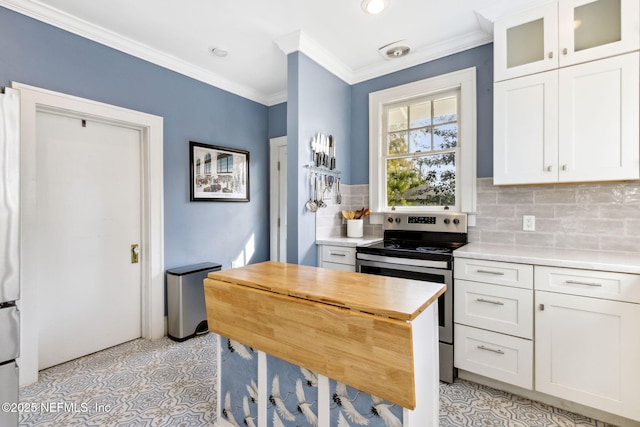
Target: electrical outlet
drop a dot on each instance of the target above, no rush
(528, 223)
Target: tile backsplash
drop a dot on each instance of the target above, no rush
(329, 221)
(601, 216)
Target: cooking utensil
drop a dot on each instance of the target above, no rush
(338, 195)
(323, 185)
(311, 205)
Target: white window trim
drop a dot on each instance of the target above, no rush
(466, 182)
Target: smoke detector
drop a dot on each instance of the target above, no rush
(395, 50)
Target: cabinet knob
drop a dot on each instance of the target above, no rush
(564, 51)
(550, 55)
(541, 307)
(549, 168)
(564, 167)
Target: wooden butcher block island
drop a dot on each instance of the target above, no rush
(375, 334)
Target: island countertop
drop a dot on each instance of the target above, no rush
(377, 334)
(378, 295)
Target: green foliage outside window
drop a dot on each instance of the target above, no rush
(422, 178)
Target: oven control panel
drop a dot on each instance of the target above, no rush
(421, 220)
(451, 222)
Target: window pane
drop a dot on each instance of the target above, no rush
(597, 23)
(525, 43)
(421, 181)
(445, 136)
(445, 110)
(397, 119)
(420, 140)
(397, 143)
(420, 114)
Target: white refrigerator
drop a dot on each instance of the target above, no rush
(9, 254)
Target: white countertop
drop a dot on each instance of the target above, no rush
(348, 241)
(623, 262)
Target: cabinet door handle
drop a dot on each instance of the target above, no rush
(550, 54)
(564, 167)
(490, 301)
(336, 254)
(549, 168)
(493, 350)
(541, 307)
(577, 282)
(564, 51)
(497, 273)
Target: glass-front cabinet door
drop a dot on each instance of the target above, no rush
(526, 43)
(562, 33)
(598, 29)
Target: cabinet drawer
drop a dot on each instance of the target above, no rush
(498, 308)
(501, 357)
(339, 254)
(499, 273)
(336, 266)
(599, 284)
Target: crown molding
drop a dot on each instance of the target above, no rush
(299, 41)
(501, 9)
(423, 54)
(296, 41)
(59, 19)
(277, 98)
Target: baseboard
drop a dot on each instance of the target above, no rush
(566, 405)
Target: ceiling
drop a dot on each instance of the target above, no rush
(258, 33)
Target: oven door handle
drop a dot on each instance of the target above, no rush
(402, 261)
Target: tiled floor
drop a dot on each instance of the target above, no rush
(163, 383)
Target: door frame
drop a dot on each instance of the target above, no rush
(33, 99)
(274, 199)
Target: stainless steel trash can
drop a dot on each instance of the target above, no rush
(186, 312)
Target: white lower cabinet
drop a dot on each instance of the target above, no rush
(586, 344)
(493, 320)
(499, 356)
(337, 257)
(588, 349)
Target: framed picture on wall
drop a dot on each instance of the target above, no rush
(218, 174)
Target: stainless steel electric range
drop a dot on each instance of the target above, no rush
(420, 247)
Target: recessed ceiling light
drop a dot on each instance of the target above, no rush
(374, 6)
(219, 52)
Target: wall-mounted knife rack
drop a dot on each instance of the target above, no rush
(323, 149)
(322, 172)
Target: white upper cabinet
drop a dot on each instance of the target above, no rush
(526, 43)
(575, 124)
(525, 130)
(563, 33)
(598, 120)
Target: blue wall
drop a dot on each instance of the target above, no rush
(38, 54)
(318, 102)
(480, 57)
(278, 120)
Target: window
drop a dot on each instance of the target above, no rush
(225, 163)
(422, 145)
(207, 164)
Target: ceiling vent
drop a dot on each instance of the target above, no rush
(395, 50)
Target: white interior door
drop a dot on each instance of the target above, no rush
(278, 199)
(88, 216)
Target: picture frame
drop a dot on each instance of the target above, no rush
(218, 174)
